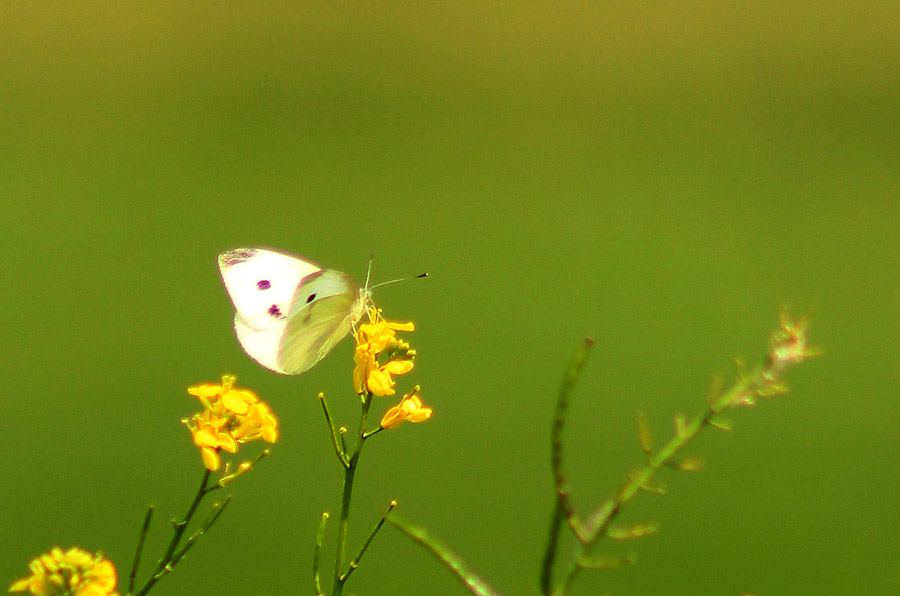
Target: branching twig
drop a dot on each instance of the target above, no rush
(339, 448)
(563, 508)
(145, 527)
(451, 560)
(788, 346)
(355, 562)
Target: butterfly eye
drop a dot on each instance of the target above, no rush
(263, 284)
(310, 298)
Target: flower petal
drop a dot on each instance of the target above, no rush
(398, 367)
(380, 383)
(210, 458)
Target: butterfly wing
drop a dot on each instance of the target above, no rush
(261, 284)
(323, 312)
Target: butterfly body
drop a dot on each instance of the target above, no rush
(289, 312)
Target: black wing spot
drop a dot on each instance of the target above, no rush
(310, 298)
(275, 311)
(263, 284)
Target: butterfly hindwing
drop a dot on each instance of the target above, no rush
(323, 310)
(314, 331)
(261, 344)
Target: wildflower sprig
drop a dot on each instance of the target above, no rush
(230, 417)
(788, 346)
(379, 356)
(63, 573)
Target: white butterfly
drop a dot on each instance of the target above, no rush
(289, 312)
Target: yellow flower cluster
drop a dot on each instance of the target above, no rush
(380, 356)
(74, 572)
(373, 339)
(230, 417)
(410, 409)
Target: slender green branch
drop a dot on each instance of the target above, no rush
(228, 476)
(346, 494)
(339, 448)
(546, 579)
(788, 346)
(442, 553)
(145, 527)
(559, 422)
(355, 562)
(343, 525)
(604, 516)
(165, 563)
(606, 562)
(644, 435)
(217, 510)
(317, 554)
(373, 432)
(563, 508)
(342, 434)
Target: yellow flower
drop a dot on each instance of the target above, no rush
(410, 408)
(373, 339)
(235, 400)
(74, 572)
(230, 417)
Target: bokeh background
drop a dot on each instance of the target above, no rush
(662, 177)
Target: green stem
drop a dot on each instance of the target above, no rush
(355, 562)
(320, 538)
(166, 563)
(563, 509)
(556, 520)
(217, 511)
(140, 549)
(346, 494)
(338, 446)
(447, 557)
(601, 520)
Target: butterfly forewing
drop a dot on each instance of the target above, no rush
(261, 284)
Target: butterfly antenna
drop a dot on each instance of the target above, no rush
(369, 270)
(393, 281)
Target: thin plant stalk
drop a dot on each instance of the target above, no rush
(788, 346)
(166, 562)
(145, 528)
(453, 562)
(346, 494)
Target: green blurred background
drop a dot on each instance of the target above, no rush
(663, 177)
